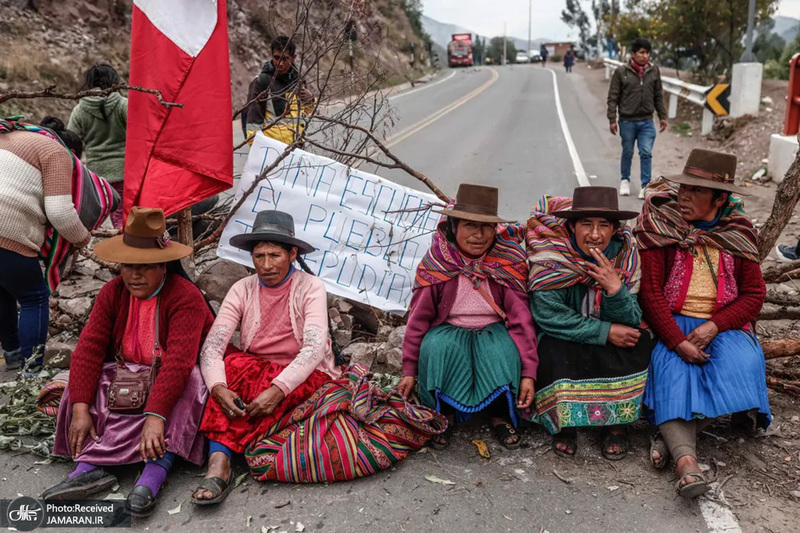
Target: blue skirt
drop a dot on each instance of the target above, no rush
(732, 380)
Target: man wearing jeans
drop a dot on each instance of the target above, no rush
(636, 91)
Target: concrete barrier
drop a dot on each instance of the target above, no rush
(782, 151)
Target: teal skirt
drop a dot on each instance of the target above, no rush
(468, 369)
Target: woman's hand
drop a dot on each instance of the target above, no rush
(691, 353)
(152, 445)
(406, 385)
(265, 403)
(226, 400)
(623, 336)
(526, 392)
(80, 426)
(603, 272)
(703, 334)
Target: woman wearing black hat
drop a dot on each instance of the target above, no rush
(285, 353)
(702, 289)
(470, 339)
(593, 348)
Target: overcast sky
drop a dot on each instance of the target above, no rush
(487, 17)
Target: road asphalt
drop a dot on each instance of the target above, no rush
(508, 135)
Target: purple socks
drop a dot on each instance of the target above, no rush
(82, 468)
(153, 477)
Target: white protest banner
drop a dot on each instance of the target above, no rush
(370, 234)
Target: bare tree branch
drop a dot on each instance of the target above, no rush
(49, 92)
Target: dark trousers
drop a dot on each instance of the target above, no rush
(21, 281)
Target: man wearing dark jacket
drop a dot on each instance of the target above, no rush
(636, 92)
(278, 78)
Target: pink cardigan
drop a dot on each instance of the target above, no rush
(308, 311)
(430, 306)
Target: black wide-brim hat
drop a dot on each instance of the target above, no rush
(595, 201)
(710, 169)
(271, 226)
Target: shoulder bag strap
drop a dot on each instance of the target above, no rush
(156, 364)
(710, 266)
(489, 300)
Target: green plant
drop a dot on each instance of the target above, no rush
(682, 128)
(555, 58)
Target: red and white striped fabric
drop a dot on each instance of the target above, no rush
(178, 156)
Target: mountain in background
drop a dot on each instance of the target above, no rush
(786, 27)
(441, 33)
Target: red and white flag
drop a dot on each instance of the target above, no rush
(174, 156)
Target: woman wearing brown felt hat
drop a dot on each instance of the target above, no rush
(144, 317)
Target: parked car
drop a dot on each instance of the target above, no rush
(522, 57)
(535, 56)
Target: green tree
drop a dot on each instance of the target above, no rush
(574, 16)
(479, 50)
(413, 9)
(768, 45)
(495, 50)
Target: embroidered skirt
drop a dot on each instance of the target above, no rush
(732, 380)
(248, 376)
(120, 435)
(589, 385)
(468, 369)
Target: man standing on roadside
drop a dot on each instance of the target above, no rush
(636, 91)
(282, 100)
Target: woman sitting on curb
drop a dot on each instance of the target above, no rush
(144, 312)
(593, 351)
(470, 339)
(702, 289)
(285, 354)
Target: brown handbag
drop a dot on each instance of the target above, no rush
(129, 390)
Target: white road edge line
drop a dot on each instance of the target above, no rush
(719, 519)
(580, 173)
(423, 87)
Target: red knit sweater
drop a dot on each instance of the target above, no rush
(656, 265)
(184, 321)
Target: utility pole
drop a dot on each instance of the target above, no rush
(505, 42)
(530, 9)
(747, 56)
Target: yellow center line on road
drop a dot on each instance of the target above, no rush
(424, 123)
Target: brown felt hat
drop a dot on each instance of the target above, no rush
(475, 202)
(142, 241)
(595, 201)
(706, 168)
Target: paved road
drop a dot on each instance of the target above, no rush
(509, 135)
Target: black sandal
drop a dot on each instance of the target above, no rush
(505, 431)
(82, 486)
(218, 488)
(567, 437)
(615, 439)
(444, 437)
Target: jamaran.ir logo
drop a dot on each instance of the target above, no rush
(25, 513)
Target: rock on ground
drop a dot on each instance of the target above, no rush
(219, 277)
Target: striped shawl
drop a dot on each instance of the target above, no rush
(553, 261)
(661, 225)
(503, 263)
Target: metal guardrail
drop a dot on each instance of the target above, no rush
(676, 88)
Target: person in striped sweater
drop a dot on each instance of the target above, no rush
(35, 190)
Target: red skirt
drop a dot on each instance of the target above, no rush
(248, 376)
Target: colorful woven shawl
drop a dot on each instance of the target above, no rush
(348, 429)
(555, 264)
(504, 262)
(661, 225)
(93, 197)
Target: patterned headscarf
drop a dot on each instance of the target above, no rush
(504, 262)
(556, 264)
(661, 225)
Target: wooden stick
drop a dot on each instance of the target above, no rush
(774, 349)
(186, 237)
(786, 198)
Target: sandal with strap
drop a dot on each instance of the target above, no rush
(568, 438)
(620, 440)
(444, 438)
(657, 444)
(693, 489)
(218, 487)
(504, 432)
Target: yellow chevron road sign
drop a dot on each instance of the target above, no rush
(717, 99)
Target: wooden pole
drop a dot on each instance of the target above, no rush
(185, 236)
